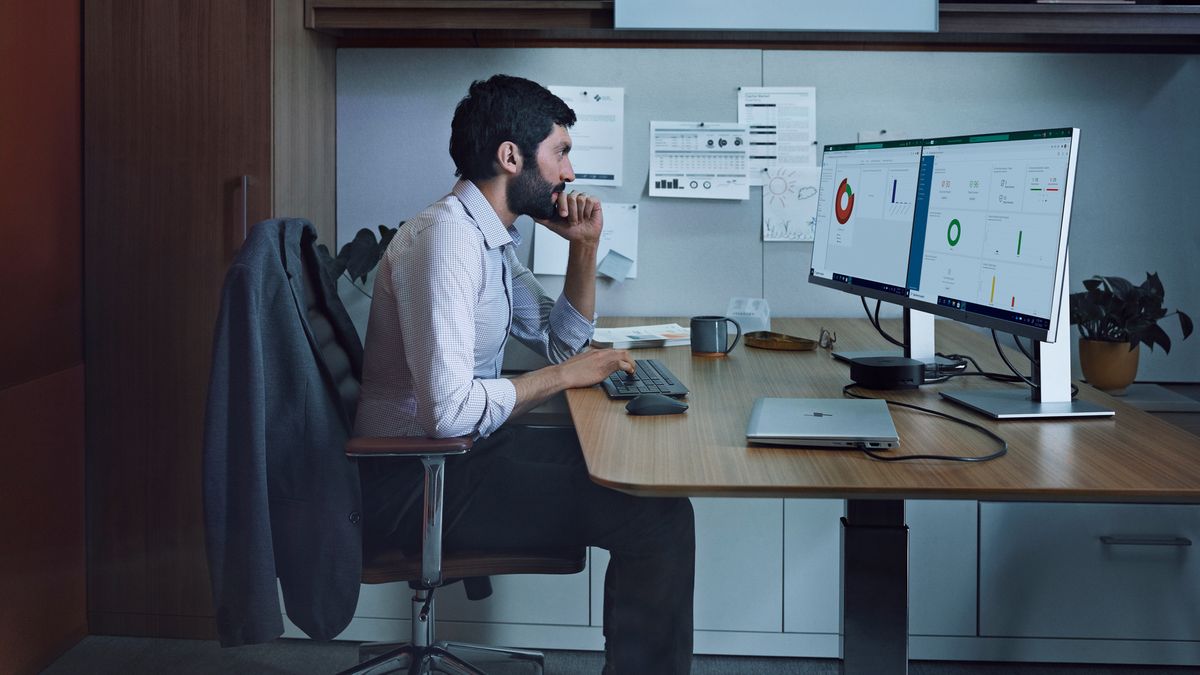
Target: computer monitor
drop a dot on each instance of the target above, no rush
(864, 233)
(864, 221)
(993, 216)
(972, 228)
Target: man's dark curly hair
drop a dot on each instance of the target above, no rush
(502, 108)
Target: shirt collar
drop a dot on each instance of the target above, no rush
(495, 234)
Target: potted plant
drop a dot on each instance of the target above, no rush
(1114, 317)
(359, 256)
(354, 269)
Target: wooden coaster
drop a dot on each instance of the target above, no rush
(765, 339)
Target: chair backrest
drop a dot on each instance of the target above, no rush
(341, 351)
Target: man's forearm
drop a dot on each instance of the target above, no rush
(534, 387)
(580, 283)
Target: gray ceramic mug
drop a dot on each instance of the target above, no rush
(711, 333)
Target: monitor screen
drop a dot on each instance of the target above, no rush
(986, 236)
(864, 222)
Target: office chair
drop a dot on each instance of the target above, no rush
(429, 569)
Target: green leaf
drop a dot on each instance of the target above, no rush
(1120, 287)
(1154, 285)
(1156, 335)
(360, 255)
(385, 236)
(334, 266)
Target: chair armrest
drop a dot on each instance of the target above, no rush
(407, 446)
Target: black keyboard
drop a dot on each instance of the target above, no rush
(652, 377)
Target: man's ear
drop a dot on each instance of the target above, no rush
(508, 157)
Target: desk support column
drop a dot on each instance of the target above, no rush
(874, 588)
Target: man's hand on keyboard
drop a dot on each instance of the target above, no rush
(592, 366)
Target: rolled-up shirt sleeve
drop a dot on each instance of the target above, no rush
(441, 280)
(550, 327)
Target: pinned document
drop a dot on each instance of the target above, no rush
(620, 234)
(598, 135)
(790, 203)
(698, 160)
(781, 123)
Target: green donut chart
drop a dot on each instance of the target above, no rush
(954, 232)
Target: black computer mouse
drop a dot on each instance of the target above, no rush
(655, 404)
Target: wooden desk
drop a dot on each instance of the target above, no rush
(1131, 457)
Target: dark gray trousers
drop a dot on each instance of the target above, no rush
(527, 487)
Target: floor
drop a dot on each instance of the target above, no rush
(103, 655)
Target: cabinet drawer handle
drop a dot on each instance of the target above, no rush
(245, 206)
(1145, 541)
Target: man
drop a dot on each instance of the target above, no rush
(448, 293)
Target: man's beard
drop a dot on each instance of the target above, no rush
(530, 195)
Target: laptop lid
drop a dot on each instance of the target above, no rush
(822, 423)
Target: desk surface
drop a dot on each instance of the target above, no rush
(1129, 457)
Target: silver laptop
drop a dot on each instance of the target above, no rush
(823, 423)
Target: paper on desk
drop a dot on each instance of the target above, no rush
(620, 234)
(790, 203)
(782, 126)
(598, 135)
(700, 160)
(632, 337)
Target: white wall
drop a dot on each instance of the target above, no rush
(1137, 205)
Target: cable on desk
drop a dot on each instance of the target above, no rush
(938, 378)
(846, 391)
(978, 372)
(1026, 380)
(1026, 352)
(875, 321)
(1003, 357)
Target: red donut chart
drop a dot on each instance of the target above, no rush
(843, 214)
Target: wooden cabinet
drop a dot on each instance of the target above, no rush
(201, 118)
(502, 22)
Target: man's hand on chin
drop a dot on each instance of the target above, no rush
(578, 218)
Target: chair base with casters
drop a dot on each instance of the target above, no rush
(428, 572)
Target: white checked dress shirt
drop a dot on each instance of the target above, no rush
(448, 292)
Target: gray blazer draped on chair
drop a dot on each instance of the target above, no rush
(281, 499)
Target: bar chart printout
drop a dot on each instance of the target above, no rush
(698, 160)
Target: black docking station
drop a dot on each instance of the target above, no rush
(887, 372)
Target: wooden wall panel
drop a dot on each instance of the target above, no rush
(39, 189)
(41, 521)
(304, 131)
(178, 101)
(42, 573)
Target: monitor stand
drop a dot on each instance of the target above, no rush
(1051, 394)
(1048, 399)
(918, 341)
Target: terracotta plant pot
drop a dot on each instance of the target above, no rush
(1110, 366)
